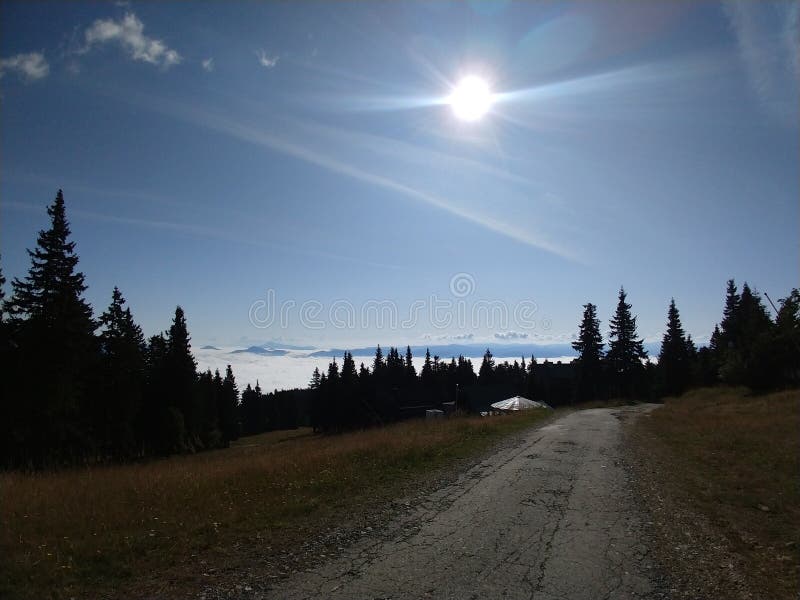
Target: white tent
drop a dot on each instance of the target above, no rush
(518, 403)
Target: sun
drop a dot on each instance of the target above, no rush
(471, 99)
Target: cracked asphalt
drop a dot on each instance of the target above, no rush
(553, 517)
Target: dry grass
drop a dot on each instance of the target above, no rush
(87, 532)
(735, 459)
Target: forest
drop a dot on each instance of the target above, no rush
(80, 389)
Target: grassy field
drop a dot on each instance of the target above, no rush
(734, 458)
(158, 526)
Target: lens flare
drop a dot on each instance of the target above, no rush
(471, 99)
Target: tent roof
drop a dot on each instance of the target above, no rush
(518, 403)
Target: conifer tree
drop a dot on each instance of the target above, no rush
(787, 339)
(348, 374)
(589, 346)
(749, 356)
(486, 372)
(363, 373)
(674, 361)
(411, 372)
(122, 349)
(51, 324)
(230, 407)
(728, 332)
(315, 379)
(426, 375)
(379, 363)
(181, 376)
(626, 352)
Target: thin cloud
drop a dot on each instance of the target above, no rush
(769, 47)
(31, 66)
(254, 133)
(265, 60)
(200, 231)
(128, 32)
(208, 64)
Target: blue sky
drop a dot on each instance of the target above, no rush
(212, 152)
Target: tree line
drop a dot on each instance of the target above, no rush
(82, 389)
(747, 348)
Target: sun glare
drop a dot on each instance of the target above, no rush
(471, 99)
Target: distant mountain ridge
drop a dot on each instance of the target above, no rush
(261, 351)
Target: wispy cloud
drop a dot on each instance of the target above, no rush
(128, 32)
(30, 66)
(365, 171)
(768, 36)
(510, 335)
(195, 230)
(208, 64)
(265, 60)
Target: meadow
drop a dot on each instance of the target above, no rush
(162, 527)
(733, 459)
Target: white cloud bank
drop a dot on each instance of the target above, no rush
(128, 32)
(30, 66)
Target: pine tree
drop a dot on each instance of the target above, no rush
(729, 327)
(486, 372)
(51, 324)
(181, 376)
(411, 372)
(787, 339)
(379, 363)
(626, 352)
(122, 348)
(675, 359)
(749, 356)
(315, 379)
(363, 374)
(10, 415)
(348, 375)
(426, 375)
(229, 422)
(589, 346)
(2, 298)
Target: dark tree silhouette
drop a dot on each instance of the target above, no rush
(426, 374)
(787, 339)
(315, 379)
(181, 369)
(675, 359)
(411, 372)
(51, 324)
(486, 372)
(229, 423)
(589, 346)
(122, 349)
(626, 352)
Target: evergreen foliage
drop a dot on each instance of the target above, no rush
(589, 346)
(626, 352)
(109, 395)
(51, 324)
(676, 357)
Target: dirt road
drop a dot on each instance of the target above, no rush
(552, 517)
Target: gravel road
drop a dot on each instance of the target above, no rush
(552, 517)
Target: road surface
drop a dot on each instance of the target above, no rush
(553, 517)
